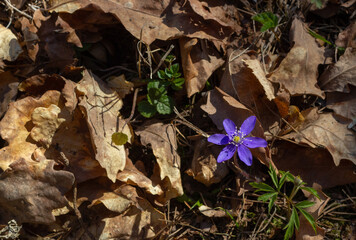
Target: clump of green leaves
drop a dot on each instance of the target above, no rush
(317, 3)
(267, 19)
(157, 91)
(272, 192)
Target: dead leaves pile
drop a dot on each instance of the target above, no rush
(58, 118)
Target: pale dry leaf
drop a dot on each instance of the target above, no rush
(334, 136)
(120, 84)
(199, 60)
(298, 72)
(164, 146)
(346, 38)
(30, 191)
(46, 123)
(338, 77)
(10, 48)
(220, 106)
(101, 105)
(113, 202)
(14, 127)
(204, 167)
(131, 175)
(210, 212)
(257, 70)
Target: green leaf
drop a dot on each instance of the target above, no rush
(267, 196)
(290, 229)
(282, 180)
(304, 204)
(175, 68)
(153, 96)
(262, 187)
(290, 177)
(168, 73)
(273, 175)
(318, 3)
(296, 218)
(156, 84)
(268, 20)
(177, 84)
(170, 58)
(146, 109)
(311, 190)
(164, 105)
(161, 74)
(119, 138)
(271, 202)
(309, 218)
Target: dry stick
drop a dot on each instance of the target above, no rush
(132, 111)
(16, 9)
(163, 58)
(189, 124)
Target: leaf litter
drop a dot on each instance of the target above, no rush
(73, 72)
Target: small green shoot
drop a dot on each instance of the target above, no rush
(292, 207)
(119, 138)
(267, 19)
(317, 3)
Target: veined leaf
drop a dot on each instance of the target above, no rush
(309, 218)
(267, 196)
(304, 204)
(311, 190)
(262, 187)
(273, 175)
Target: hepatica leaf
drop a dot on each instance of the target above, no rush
(268, 20)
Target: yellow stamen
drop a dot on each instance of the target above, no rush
(236, 139)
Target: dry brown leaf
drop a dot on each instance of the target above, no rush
(101, 106)
(151, 20)
(313, 165)
(29, 32)
(10, 48)
(204, 167)
(30, 191)
(39, 84)
(69, 95)
(164, 146)
(339, 76)
(120, 84)
(220, 106)
(46, 122)
(199, 60)
(329, 133)
(8, 90)
(346, 38)
(343, 104)
(298, 72)
(209, 212)
(253, 89)
(16, 125)
(131, 175)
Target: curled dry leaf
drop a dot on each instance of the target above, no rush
(199, 60)
(16, 125)
(45, 122)
(338, 77)
(10, 48)
(29, 191)
(131, 175)
(164, 146)
(204, 167)
(151, 20)
(298, 72)
(313, 165)
(101, 106)
(329, 133)
(347, 37)
(220, 106)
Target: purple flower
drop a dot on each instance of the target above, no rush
(237, 139)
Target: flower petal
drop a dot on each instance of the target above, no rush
(226, 153)
(244, 154)
(248, 125)
(254, 142)
(229, 126)
(219, 139)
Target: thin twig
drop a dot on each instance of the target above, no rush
(163, 58)
(16, 9)
(189, 124)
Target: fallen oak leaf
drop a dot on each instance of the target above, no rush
(10, 48)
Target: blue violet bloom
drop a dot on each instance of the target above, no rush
(237, 139)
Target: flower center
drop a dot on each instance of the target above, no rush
(236, 139)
